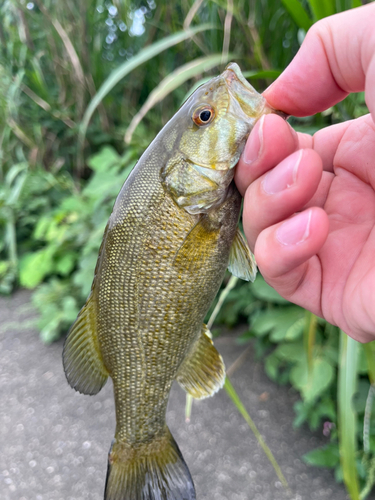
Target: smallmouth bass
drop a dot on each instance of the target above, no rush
(171, 236)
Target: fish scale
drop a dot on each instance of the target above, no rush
(172, 234)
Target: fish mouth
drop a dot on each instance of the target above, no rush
(233, 73)
(253, 104)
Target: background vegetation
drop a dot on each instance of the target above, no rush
(77, 80)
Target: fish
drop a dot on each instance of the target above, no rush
(171, 236)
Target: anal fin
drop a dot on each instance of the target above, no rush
(203, 372)
(241, 261)
(83, 364)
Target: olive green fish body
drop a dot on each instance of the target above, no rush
(151, 301)
(165, 250)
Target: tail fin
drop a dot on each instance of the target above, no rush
(152, 471)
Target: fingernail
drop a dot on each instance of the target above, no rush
(295, 230)
(255, 143)
(284, 175)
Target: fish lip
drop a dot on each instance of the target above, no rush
(232, 72)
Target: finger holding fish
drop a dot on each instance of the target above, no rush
(280, 192)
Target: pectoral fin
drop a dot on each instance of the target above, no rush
(203, 372)
(83, 364)
(241, 261)
(197, 246)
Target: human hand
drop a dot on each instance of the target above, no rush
(323, 258)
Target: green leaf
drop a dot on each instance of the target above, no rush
(51, 331)
(84, 276)
(298, 13)
(265, 292)
(42, 226)
(14, 171)
(295, 330)
(34, 267)
(271, 366)
(312, 384)
(347, 418)
(314, 412)
(70, 309)
(128, 66)
(104, 159)
(265, 323)
(326, 456)
(290, 352)
(289, 325)
(282, 323)
(66, 263)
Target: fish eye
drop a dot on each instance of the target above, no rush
(203, 115)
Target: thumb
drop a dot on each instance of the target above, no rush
(337, 57)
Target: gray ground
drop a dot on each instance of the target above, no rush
(54, 442)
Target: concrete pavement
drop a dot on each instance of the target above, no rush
(54, 441)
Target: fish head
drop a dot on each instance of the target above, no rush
(218, 118)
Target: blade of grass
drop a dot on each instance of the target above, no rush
(38, 100)
(370, 358)
(188, 407)
(258, 50)
(367, 419)
(239, 361)
(347, 417)
(322, 8)
(18, 132)
(298, 13)
(190, 15)
(227, 29)
(37, 76)
(241, 408)
(231, 284)
(170, 83)
(128, 66)
(267, 73)
(262, 74)
(72, 54)
(309, 337)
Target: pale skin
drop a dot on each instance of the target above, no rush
(309, 201)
